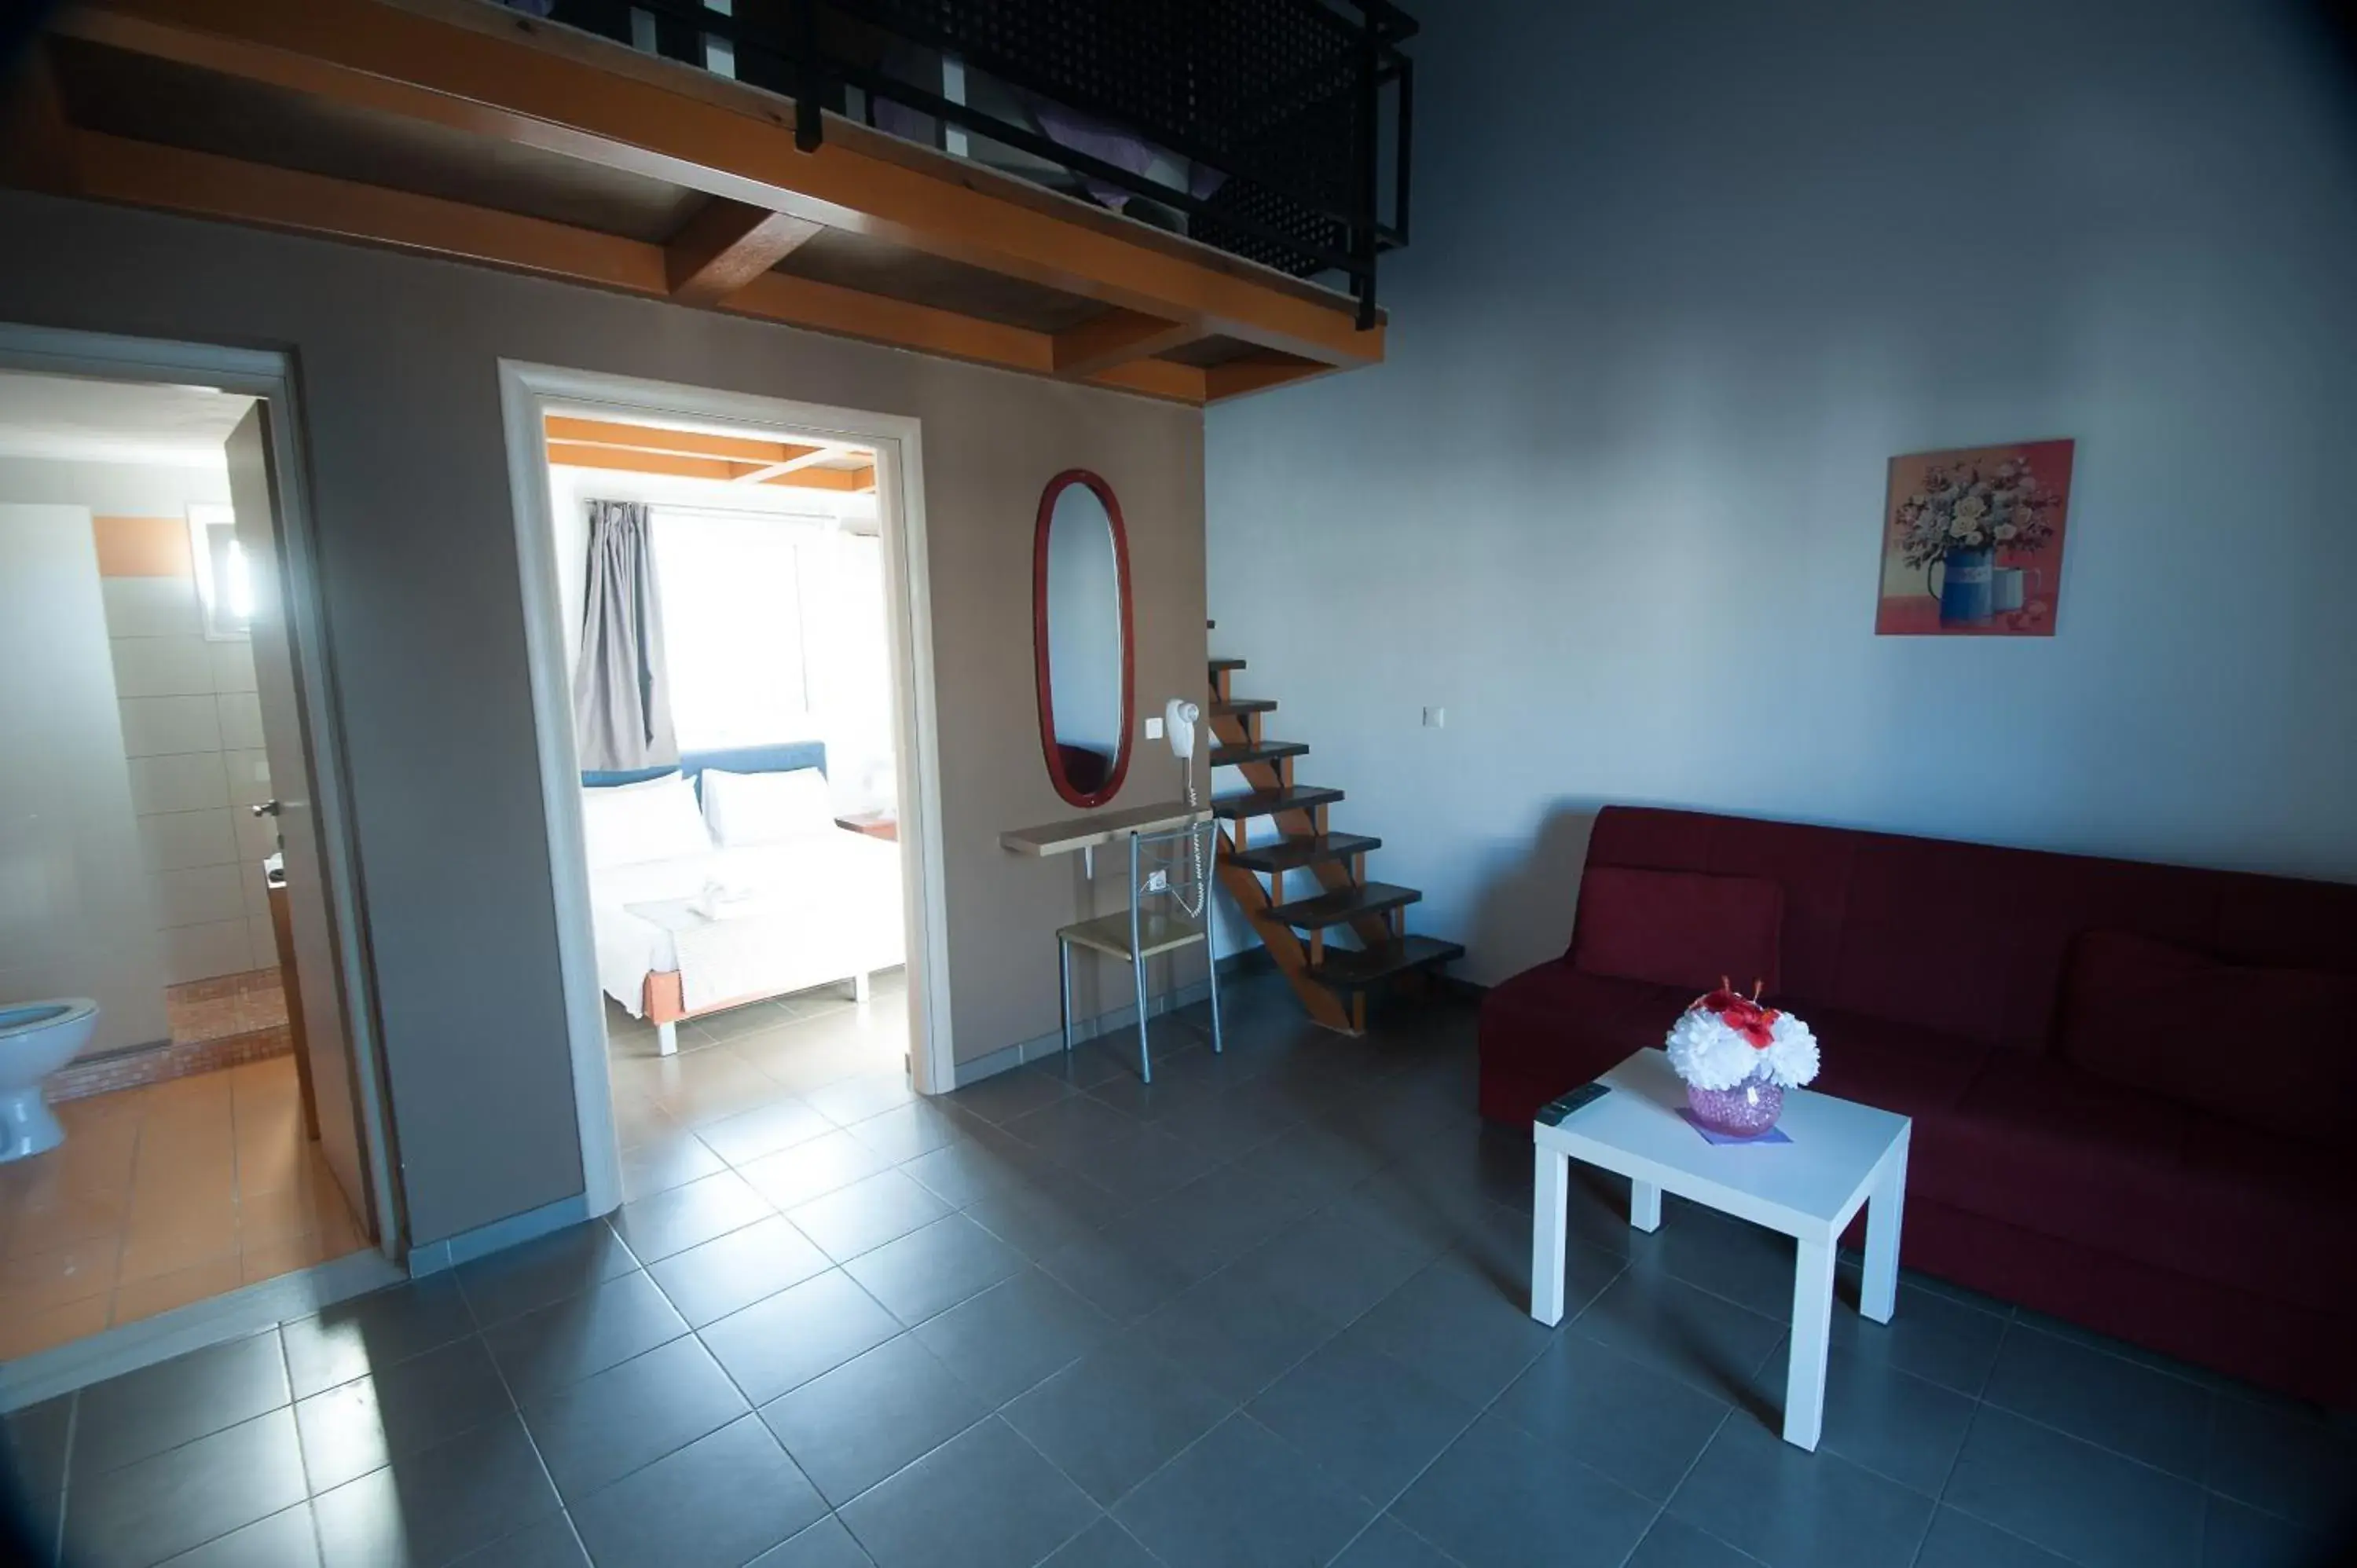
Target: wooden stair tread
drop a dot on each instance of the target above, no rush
(1356, 969)
(1340, 905)
(1310, 849)
(1237, 707)
(1266, 803)
(1266, 751)
(1219, 665)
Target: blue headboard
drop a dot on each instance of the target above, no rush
(780, 759)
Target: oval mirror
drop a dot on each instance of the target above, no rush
(1080, 635)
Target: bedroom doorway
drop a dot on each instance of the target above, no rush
(723, 600)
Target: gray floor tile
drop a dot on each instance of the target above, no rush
(780, 1124)
(2105, 1399)
(791, 1177)
(974, 1168)
(1216, 1219)
(1930, 1336)
(1104, 1545)
(850, 1100)
(1342, 1261)
(931, 1270)
(1795, 1509)
(1674, 1328)
(1004, 1096)
(358, 1426)
(984, 1499)
(285, 1540)
(2083, 1502)
(1014, 1334)
(606, 1425)
(2285, 1459)
(1365, 1419)
(1960, 1541)
(1640, 1427)
(1120, 1276)
(825, 1544)
(673, 1159)
(358, 1336)
(508, 1284)
(38, 1437)
(671, 1221)
(1114, 1417)
(1039, 1217)
(151, 1508)
(868, 1417)
(567, 1340)
(1673, 1543)
(434, 1504)
(719, 1502)
(1390, 1545)
(2234, 1536)
(159, 1407)
(905, 1131)
(1233, 1333)
(1458, 1330)
(708, 1282)
(798, 1333)
(1746, 1263)
(1896, 1425)
(551, 1543)
(1498, 1498)
(1244, 1496)
(867, 1214)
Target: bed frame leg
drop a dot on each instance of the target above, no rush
(862, 986)
(667, 1039)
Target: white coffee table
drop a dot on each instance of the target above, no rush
(1841, 1155)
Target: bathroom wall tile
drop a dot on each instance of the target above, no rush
(199, 895)
(249, 776)
(260, 941)
(158, 727)
(240, 720)
(151, 606)
(233, 666)
(217, 947)
(162, 666)
(258, 837)
(178, 839)
(255, 893)
(191, 782)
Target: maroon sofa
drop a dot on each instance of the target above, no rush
(2132, 1084)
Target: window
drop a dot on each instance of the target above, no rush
(224, 578)
(731, 587)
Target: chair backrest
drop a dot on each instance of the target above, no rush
(1184, 856)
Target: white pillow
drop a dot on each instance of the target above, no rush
(655, 820)
(767, 808)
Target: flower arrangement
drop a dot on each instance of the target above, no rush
(1965, 506)
(1737, 1058)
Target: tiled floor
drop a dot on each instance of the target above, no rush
(1270, 1311)
(160, 1196)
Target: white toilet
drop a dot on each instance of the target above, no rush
(37, 1039)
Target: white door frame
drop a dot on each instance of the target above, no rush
(525, 392)
(271, 376)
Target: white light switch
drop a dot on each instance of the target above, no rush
(1436, 718)
(1153, 728)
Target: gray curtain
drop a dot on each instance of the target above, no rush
(621, 701)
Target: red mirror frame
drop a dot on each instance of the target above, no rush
(1056, 774)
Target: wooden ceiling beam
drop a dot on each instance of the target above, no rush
(1116, 338)
(808, 457)
(1257, 372)
(729, 244)
(205, 185)
(683, 442)
(687, 466)
(493, 74)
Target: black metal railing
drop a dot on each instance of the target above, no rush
(1276, 130)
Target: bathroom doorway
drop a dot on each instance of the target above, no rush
(171, 819)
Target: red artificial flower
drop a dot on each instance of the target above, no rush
(1742, 1013)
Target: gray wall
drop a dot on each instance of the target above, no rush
(397, 357)
(1684, 277)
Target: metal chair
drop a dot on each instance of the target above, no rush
(1184, 858)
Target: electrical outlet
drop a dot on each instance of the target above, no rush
(1158, 882)
(1436, 718)
(1154, 727)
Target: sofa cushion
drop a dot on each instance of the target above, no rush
(1678, 928)
(2266, 1215)
(1894, 1067)
(1557, 1022)
(2240, 1041)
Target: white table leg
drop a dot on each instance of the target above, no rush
(1645, 1205)
(1812, 1324)
(667, 1039)
(1878, 1294)
(1550, 1216)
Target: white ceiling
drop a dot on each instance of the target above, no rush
(72, 419)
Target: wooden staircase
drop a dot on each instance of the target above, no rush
(1316, 878)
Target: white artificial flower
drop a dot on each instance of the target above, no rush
(1707, 1053)
(1792, 1058)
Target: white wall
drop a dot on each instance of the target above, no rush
(75, 919)
(1683, 278)
(113, 489)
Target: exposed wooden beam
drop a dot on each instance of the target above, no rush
(810, 455)
(681, 465)
(1257, 372)
(494, 74)
(1116, 338)
(729, 244)
(173, 179)
(683, 442)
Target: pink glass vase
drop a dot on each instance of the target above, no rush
(1745, 1110)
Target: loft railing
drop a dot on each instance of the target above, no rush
(1274, 130)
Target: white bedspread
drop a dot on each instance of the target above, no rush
(811, 910)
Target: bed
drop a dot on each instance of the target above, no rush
(725, 881)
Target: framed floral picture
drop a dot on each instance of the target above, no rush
(1972, 541)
